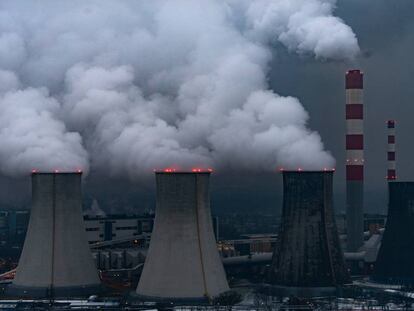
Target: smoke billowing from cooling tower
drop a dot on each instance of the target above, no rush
(136, 85)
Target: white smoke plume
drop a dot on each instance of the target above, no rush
(31, 135)
(132, 86)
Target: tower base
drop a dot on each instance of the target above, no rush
(173, 300)
(56, 292)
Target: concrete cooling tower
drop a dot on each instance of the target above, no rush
(308, 259)
(395, 261)
(183, 263)
(56, 260)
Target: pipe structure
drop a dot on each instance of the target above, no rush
(183, 263)
(354, 159)
(391, 171)
(56, 260)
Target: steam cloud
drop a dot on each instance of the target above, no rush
(130, 86)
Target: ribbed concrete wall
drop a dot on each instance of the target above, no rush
(395, 261)
(56, 259)
(183, 261)
(308, 252)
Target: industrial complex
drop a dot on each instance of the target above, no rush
(179, 258)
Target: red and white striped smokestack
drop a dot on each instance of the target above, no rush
(354, 126)
(391, 172)
(354, 158)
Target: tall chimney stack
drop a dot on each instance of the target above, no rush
(354, 160)
(183, 263)
(56, 260)
(391, 172)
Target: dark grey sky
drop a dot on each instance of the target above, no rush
(385, 30)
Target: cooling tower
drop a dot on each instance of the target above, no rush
(395, 261)
(354, 160)
(308, 254)
(183, 263)
(56, 260)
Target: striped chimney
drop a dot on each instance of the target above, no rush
(391, 172)
(354, 159)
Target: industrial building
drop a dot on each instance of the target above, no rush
(354, 159)
(13, 227)
(308, 254)
(121, 258)
(113, 227)
(183, 262)
(14, 223)
(56, 260)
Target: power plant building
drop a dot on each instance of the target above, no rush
(308, 253)
(396, 256)
(56, 260)
(354, 160)
(183, 263)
